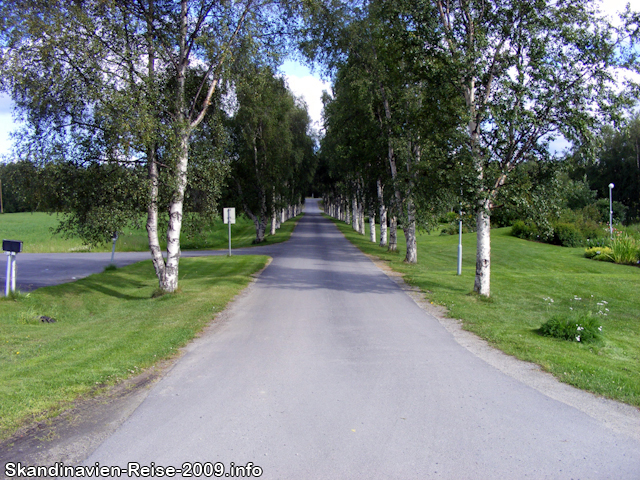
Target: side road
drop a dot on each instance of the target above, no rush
(36, 270)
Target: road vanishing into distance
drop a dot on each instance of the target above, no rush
(326, 369)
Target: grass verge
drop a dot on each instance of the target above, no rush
(34, 229)
(107, 328)
(525, 277)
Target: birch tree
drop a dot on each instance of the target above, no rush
(272, 148)
(139, 75)
(527, 71)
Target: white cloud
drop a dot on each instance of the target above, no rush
(611, 8)
(6, 126)
(6, 105)
(309, 88)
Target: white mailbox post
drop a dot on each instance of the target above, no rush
(229, 217)
(11, 248)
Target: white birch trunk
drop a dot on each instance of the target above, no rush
(273, 214)
(410, 227)
(152, 218)
(393, 234)
(355, 217)
(410, 234)
(170, 281)
(383, 215)
(482, 282)
(372, 225)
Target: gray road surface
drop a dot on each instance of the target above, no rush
(35, 270)
(325, 369)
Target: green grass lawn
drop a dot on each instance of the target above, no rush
(107, 328)
(34, 229)
(523, 273)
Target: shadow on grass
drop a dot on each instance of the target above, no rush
(105, 286)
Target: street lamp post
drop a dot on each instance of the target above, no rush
(611, 209)
(460, 236)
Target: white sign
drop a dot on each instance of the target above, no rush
(229, 215)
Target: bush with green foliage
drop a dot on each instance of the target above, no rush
(599, 253)
(526, 230)
(453, 224)
(579, 327)
(619, 210)
(573, 228)
(449, 217)
(624, 249)
(567, 235)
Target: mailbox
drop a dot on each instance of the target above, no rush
(14, 246)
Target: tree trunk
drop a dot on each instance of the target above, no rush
(483, 251)
(273, 213)
(410, 234)
(169, 283)
(383, 215)
(393, 234)
(152, 217)
(410, 226)
(372, 224)
(355, 217)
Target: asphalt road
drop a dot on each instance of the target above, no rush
(326, 369)
(35, 270)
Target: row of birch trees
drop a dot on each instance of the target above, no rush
(128, 102)
(436, 102)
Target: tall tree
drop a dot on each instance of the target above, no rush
(527, 71)
(137, 78)
(273, 150)
(617, 161)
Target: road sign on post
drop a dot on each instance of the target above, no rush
(11, 248)
(229, 217)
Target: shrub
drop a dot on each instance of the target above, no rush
(567, 235)
(449, 217)
(579, 327)
(619, 210)
(624, 250)
(453, 229)
(527, 231)
(599, 253)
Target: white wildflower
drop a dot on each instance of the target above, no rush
(578, 338)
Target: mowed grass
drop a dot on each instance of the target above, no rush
(523, 273)
(35, 231)
(107, 328)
